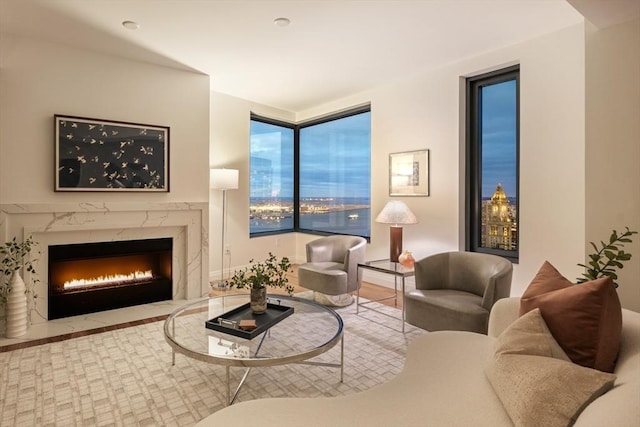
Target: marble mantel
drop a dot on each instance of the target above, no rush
(66, 223)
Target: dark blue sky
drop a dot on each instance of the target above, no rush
(275, 144)
(334, 157)
(498, 138)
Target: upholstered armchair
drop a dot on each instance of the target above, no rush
(331, 270)
(456, 291)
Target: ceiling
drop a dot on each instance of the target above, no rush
(331, 49)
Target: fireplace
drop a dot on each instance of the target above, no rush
(91, 277)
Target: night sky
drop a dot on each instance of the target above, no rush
(498, 136)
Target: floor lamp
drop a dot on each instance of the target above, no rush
(397, 213)
(223, 179)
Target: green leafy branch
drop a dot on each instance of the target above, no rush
(13, 257)
(270, 272)
(610, 256)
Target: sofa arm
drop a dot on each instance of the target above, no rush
(504, 312)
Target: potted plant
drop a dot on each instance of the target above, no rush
(258, 276)
(610, 256)
(13, 291)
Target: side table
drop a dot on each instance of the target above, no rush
(388, 267)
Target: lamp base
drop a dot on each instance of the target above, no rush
(395, 243)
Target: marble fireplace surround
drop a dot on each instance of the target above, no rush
(58, 224)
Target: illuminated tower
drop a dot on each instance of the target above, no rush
(499, 228)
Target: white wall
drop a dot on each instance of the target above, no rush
(425, 112)
(40, 79)
(613, 144)
(230, 133)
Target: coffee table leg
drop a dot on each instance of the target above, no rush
(173, 351)
(228, 387)
(342, 359)
(231, 399)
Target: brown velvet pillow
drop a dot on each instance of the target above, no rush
(585, 319)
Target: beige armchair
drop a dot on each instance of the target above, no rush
(331, 270)
(456, 291)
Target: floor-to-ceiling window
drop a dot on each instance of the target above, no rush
(271, 177)
(330, 169)
(335, 177)
(493, 163)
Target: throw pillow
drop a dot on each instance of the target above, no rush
(585, 319)
(534, 380)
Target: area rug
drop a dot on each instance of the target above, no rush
(124, 377)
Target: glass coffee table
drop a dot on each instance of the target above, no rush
(310, 330)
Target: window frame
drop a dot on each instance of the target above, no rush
(296, 164)
(473, 193)
(281, 123)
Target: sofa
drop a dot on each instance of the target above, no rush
(445, 382)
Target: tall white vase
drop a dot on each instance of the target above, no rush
(16, 307)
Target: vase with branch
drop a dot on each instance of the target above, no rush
(15, 295)
(260, 275)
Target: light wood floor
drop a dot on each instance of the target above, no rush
(367, 290)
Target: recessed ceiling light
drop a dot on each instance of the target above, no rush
(282, 22)
(130, 25)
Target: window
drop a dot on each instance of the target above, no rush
(329, 171)
(335, 178)
(271, 177)
(493, 163)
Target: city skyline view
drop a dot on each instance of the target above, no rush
(334, 177)
(334, 163)
(498, 124)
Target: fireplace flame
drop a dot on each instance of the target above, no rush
(107, 280)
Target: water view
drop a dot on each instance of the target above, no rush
(346, 215)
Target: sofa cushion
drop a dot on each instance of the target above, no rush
(535, 380)
(585, 319)
(442, 384)
(325, 277)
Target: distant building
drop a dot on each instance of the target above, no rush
(499, 226)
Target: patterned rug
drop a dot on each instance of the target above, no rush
(125, 378)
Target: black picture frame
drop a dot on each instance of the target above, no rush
(104, 155)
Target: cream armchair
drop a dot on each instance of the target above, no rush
(456, 291)
(331, 270)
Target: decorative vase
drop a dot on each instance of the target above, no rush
(406, 259)
(258, 301)
(16, 307)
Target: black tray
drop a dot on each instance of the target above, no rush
(264, 321)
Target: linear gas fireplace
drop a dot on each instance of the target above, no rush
(91, 277)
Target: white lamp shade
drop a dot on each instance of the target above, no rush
(224, 179)
(396, 212)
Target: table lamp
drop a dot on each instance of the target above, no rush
(397, 213)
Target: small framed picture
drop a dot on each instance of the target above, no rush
(409, 173)
(102, 155)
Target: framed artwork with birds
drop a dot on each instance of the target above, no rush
(103, 155)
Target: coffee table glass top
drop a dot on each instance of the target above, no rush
(312, 329)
